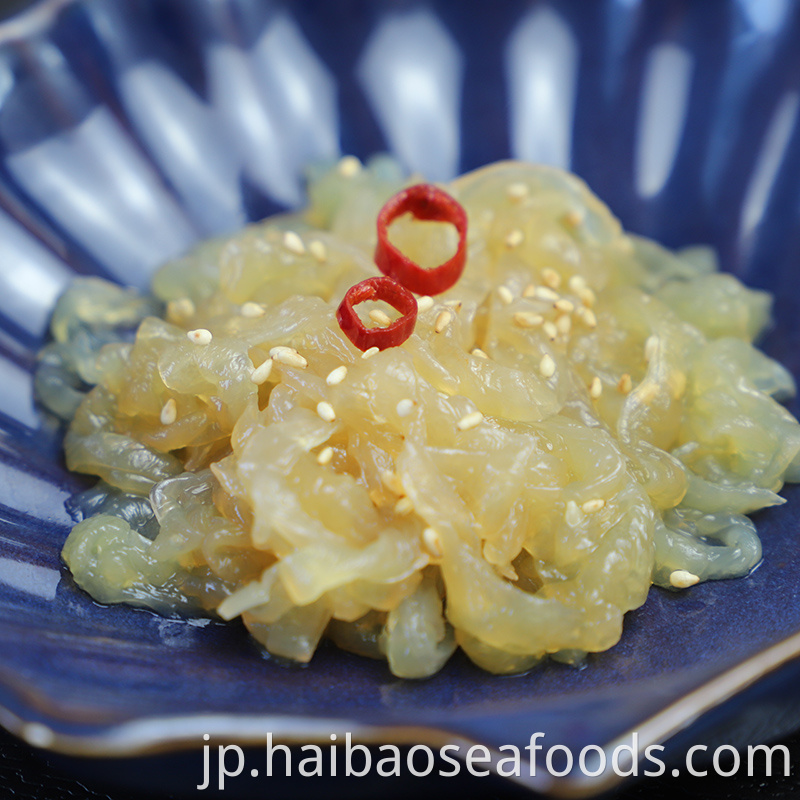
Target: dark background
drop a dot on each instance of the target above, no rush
(26, 774)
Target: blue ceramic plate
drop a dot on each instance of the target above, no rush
(130, 130)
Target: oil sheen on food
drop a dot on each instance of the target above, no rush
(581, 415)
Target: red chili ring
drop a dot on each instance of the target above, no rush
(427, 202)
(391, 292)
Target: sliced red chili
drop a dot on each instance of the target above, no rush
(427, 202)
(391, 292)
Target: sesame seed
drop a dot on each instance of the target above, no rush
(318, 250)
(478, 353)
(565, 306)
(547, 367)
(527, 319)
(572, 514)
(677, 382)
(200, 336)
(325, 411)
(454, 304)
(646, 391)
(514, 238)
(550, 331)
(336, 376)
(405, 407)
(404, 506)
(577, 283)
(505, 294)
(651, 346)
(587, 297)
(625, 384)
(469, 421)
(517, 191)
(370, 352)
(595, 388)
(590, 506)
(442, 321)
(325, 456)
(564, 324)
(252, 310)
(574, 218)
(530, 291)
(682, 579)
(588, 316)
(391, 480)
(261, 373)
(181, 309)
(349, 166)
(432, 542)
(545, 293)
(292, 242)
(288, 356)
(169, 412)
(424, 303)
(380, 317)
(551, 278)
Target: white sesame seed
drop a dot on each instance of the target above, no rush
(551, 278)
(682, 579)
(574, 218)
(318, 250)
(651, 346)
(349, 166)
(478, 353)
(261, 373)
(577, 283)
(325, 411)
(336, 376)
(545, 293)
(288, 356)
(527, 319)
(369, 352)
(647, 391)
(595, 388)
(564, 324)
(292, 242)
(325, 456)
(469, 421)
(505, 294)
(587, 297)
(564, 306)
(169, 412)
(590, 506)
(588, 316)
(433, 542)
(403, 506)
(391, 480)
(530, 290)
(252, 310)
(547, 367)
(517, 191)
(181, 309)
(454, 304)
(550, 331)
(625, 384)
(380, 317)
(572, 514)
(442, 321)
(405, 407)
(200, 336)
(424, 303)
(514, 238)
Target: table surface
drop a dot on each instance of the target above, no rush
(26, 774)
